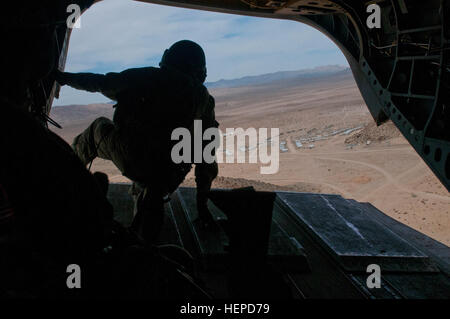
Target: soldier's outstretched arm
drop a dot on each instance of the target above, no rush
(109, 84)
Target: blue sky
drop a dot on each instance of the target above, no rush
(119, 34)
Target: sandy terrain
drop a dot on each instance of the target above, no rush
(370, 164)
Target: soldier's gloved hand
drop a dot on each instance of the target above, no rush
(58, 76)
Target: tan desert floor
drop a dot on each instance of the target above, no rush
(382, 169)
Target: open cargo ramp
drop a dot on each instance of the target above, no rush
(321, 244)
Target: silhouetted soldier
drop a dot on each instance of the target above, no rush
(152, 102)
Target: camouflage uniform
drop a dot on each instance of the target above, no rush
(152, 102)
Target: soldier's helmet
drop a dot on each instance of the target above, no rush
(186, 56)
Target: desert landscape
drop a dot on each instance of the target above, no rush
(330, 144)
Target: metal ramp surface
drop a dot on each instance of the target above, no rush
(348, 232)
(322, 244)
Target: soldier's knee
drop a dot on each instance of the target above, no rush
(102, 126)
(102, 119)
(101, 122)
